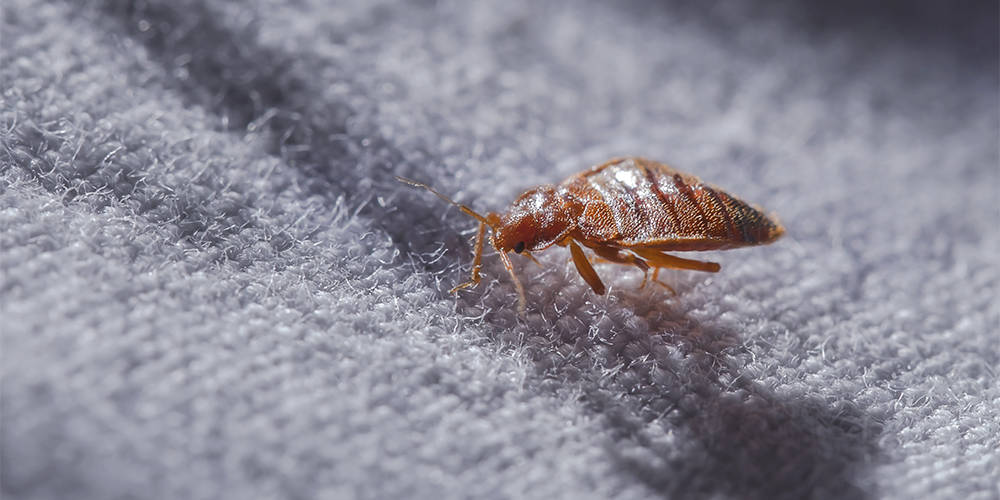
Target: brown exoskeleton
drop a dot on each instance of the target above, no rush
(627, 211)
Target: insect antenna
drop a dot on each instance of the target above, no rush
(462, 207)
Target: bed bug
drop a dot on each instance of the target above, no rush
(627, 211)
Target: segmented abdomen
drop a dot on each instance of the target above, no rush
(634, 202)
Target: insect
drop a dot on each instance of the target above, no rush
(627, 211)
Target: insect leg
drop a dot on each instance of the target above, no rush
(521, 300)
(533, 259)
(615, 255)
(477, 262)
(656, 274)
(585, 269)
(660, 259)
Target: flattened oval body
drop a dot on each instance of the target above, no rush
(638, 203)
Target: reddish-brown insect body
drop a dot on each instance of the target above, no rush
(628, 211)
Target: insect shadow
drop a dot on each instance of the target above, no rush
(681, 415)
(748, 443)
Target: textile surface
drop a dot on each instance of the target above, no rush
(213, 286)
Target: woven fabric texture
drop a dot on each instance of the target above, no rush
(213, 286)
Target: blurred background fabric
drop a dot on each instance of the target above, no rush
(213, 287)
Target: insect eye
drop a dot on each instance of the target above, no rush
(519, 247)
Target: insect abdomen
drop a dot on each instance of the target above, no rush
(633, 202)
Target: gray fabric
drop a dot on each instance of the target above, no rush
(214, 288)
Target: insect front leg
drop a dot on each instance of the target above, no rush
(533, 259)
(522, 300)
(477, 262)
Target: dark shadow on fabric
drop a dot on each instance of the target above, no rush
(255, 88)
(757, 448)
(684, 418)
(247, 85)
